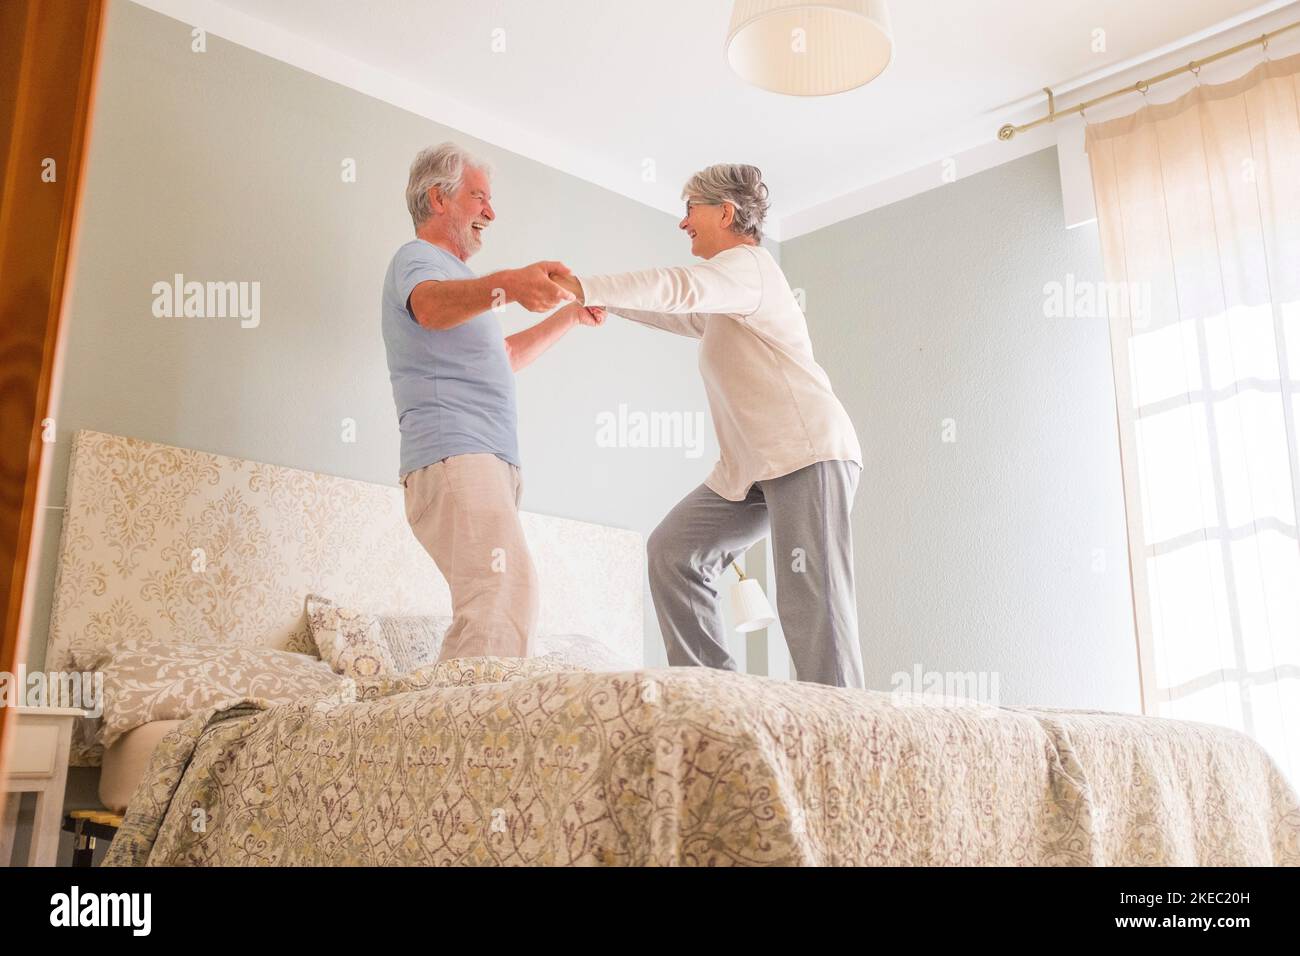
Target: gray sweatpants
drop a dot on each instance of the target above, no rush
(807, 512)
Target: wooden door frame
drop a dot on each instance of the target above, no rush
(49, 52)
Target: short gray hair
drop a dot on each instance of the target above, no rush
(735, 183)
(441, 167)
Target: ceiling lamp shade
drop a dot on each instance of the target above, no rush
(809, 49)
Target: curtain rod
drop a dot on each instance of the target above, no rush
(1141, 86)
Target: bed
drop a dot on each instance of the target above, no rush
(538, 761)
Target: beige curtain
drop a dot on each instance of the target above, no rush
(1198, 208)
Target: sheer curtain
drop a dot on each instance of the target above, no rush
(1198, 204)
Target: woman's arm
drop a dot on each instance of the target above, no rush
(729, 283)
(689, 324)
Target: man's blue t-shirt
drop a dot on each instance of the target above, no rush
(453, 388)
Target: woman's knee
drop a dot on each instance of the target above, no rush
(666, 553)
(658, 550)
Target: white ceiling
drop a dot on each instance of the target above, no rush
(597, 87)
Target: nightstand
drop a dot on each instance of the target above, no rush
(38, 763)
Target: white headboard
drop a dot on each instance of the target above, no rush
(181, 545)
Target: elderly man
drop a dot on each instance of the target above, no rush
(453, 384)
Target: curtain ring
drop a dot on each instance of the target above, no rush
(1196, 71)
(1264, 40)
(1142, 86)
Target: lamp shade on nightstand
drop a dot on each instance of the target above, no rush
(749, 607)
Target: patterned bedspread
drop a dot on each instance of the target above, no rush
(492, 761)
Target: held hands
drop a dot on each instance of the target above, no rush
(534, 287)
(585, 315)
(591, 315)
(568, 283)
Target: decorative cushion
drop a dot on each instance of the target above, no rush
(145, 681)
(359, 643)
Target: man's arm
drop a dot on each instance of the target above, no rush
(522, 348)
(446, 303)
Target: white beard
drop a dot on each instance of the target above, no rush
(470, 239)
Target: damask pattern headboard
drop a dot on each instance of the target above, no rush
(175, 544)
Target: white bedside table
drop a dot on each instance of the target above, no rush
(38, 763)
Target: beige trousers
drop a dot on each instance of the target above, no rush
(464, 510)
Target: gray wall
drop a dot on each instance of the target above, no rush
(972, 556)
(979, 554)
(225, 165)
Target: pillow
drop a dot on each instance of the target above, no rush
(581, 652)
(362, 644)
(146, 681)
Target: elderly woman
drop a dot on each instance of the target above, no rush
(790, 459)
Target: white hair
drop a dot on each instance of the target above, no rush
(441, 167)
(734, 183)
